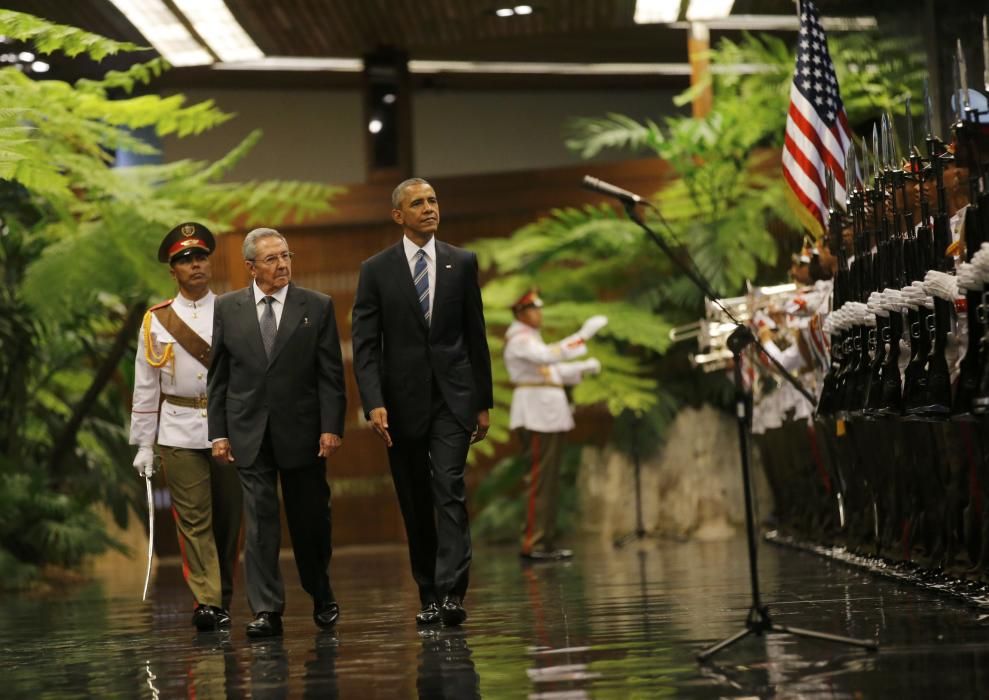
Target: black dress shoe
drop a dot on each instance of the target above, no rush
(429, 615)
(203, 618)
(325, 614)
(265, 624)
(222, 617)
(452, 611)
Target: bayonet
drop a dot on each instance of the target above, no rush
(928, 111)
(910, 145)
(875, 151)
(955, 82)
(985, 52)
(962, 76)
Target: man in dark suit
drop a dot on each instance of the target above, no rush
(276, 411)
(424, 373)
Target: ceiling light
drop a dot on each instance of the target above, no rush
(523, 9)
(296, 63)
(709, 9)
(514, 67)
(389, 99)
(504, 12)
(656, 11)
(40, 67)
(26, 56)
(218, 28)
(375, 126)
(164, 31)
(783, 23)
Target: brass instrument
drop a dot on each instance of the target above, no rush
(713, 330)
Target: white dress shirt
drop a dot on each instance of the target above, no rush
(278, 305)
(411, 251)
(175, 426)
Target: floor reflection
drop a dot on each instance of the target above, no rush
(610, 623)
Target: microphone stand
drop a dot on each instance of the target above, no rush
(758, 621)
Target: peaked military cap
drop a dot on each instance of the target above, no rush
(530, 298)
(184, 239)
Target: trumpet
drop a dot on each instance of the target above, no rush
(719, 321)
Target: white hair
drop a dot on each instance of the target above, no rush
(250, 247)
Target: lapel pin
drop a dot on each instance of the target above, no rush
(449, 267)
(305, 320)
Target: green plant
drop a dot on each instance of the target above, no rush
(77, 237)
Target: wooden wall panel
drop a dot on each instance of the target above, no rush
(328, 256)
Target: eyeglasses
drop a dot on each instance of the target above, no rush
(272, 259)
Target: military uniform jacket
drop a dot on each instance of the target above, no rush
(539, 373)
(184, 375)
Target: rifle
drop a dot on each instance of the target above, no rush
(829, 386)
(873, 395)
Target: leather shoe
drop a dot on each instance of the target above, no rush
(265, 624)
(222, 617)
(452, 611)
(203, 618)
(429, 615)
(325, 614)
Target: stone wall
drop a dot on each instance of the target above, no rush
(692, 488)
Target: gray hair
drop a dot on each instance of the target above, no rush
(396, 194)
(250, 247)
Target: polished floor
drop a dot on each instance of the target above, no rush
(622, 623)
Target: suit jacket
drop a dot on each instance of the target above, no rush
(300, 391)
(398, 357)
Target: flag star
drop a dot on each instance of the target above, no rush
(815, 58)
(806, 84)
(818, 100)
(817, 87)
(818, 73)
(805, 70)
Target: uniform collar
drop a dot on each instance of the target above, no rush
(198, 303)
(411, 248)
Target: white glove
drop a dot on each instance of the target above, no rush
(144, 461)
(591, 366)
(592, 326)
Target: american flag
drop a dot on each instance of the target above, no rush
(817, 131)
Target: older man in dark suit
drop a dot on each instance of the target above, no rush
(424, 372)
(276, 411)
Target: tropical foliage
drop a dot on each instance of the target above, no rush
(724, 194)
(77, 239)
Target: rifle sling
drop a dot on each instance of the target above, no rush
(190, 341)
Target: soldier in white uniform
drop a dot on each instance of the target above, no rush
(169, 418)
(541, 413)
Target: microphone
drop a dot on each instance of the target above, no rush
(602, 187)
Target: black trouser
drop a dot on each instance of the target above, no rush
(307, 511)
(428, 471)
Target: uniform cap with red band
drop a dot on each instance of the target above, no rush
(186, 238)
(530, 298)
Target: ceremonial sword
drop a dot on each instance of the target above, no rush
(151, 535)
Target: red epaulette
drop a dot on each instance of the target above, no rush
(161, 305)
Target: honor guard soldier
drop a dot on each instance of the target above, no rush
(541, 413)
(168, 421)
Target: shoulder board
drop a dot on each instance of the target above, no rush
(161, 305)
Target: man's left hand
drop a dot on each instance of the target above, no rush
(483, 423)
(328, 444)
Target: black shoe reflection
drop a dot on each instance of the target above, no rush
(269, 669)
(446, 669)
(320, 675)
(213, 671)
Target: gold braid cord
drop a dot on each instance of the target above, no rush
(155, 360)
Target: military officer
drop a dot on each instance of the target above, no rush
(168, 419)
(541, 413)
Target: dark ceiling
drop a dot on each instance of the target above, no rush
(558, 30)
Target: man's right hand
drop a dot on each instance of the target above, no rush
(379, 421)
(222, 452)
(144, 461)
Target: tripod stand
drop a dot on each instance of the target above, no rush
(758, 621)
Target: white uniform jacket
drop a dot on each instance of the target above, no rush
(539, 373)
(185, 376)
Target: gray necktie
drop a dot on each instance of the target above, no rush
(268, 326)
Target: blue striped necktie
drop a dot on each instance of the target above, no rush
(421, 278)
